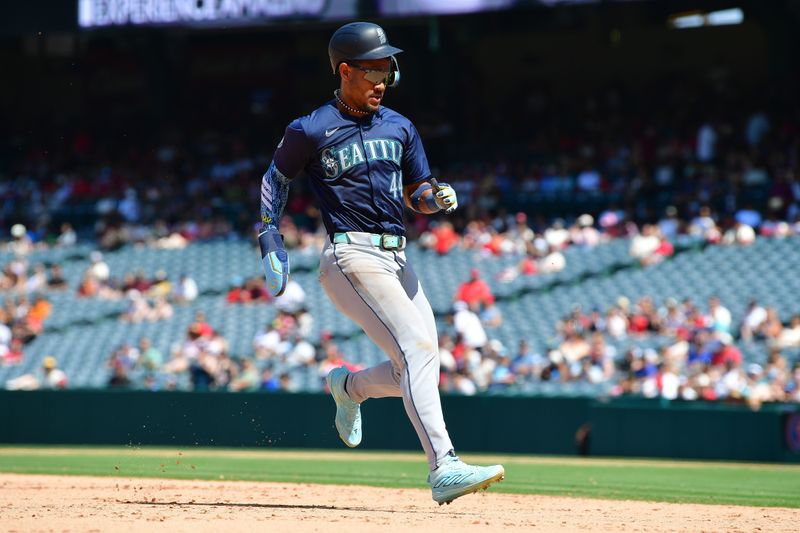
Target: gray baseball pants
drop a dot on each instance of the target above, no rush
(380, 292)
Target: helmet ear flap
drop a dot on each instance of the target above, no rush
(393, 79)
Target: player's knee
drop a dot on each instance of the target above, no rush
(422, 351)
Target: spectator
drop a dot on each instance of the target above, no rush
(475, 291)
(447, 360)
(463, 385)
(757, 128)
(740, 234)
(54, 377)
(161, 309)
(202, 371)
(706, 149)
(286, 384)
(21, 243)
(616, 323)
(248, 380)
(726, 354)
(5, 332)
(790, 336)
(748, 217)
(502, 376)
(257, 290)
(705, 226)
(553, 262)
(37, 281)
(137, 309)
(669, 226)
(129, 206)
(186, 289)
(491, 316)
(88, 287)
(12, 352)
(669, 382)
(150, 358)
(119, 371)
(98, 269)
(225, 370)
(527, 364)
(442, 238)
(772, 327)
(269, 382)
(556, 236)
(38, 313)
(583, 233)
(754, 318)
(468, 326)
(238, 293)
(334, 359)
(67, 237)
(301, 353)
(202, 326)
(293, 298)
(56, 279)
(650, 247)
(720, 317)
(574, 348)
(275, 342)
(160, 287)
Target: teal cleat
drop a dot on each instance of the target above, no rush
(454, 478)
(348, 412)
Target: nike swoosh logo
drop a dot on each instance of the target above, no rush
(328, 133)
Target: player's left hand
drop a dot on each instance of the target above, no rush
(276, 260)
(445, 197)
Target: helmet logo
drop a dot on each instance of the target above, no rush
(381, 35)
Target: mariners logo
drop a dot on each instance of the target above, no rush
(329, 164)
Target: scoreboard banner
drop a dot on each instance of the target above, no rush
(103, 13)
(217, 13)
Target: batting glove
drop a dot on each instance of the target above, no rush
(445, 196)
(276, 260)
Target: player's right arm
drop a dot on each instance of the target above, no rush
(421, 192)
(289, 159)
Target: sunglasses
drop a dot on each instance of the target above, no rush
(376, 76)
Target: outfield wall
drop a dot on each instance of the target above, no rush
(626, 427)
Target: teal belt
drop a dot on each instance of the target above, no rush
(385, 241)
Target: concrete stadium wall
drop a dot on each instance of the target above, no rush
(623, 427)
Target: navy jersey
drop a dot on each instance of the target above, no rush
(357, 166)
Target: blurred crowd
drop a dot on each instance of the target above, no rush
(674, 351)
(203, 360)
(717, 154)
(711, 162)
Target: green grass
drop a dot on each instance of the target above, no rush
(666, 481)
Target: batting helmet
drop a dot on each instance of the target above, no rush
(362, 40)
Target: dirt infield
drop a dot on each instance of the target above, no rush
(71, 503)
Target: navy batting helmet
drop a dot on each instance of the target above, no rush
(362, 40)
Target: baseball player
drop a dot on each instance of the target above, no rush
(366, 163)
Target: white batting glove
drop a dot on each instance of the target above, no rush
(445, 196)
